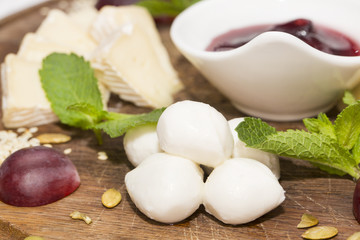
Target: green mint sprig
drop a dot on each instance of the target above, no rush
(170, 8)
(333, 147)
(72, 90)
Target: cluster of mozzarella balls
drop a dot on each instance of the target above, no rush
(167, 183)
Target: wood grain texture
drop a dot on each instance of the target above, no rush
(308, 190)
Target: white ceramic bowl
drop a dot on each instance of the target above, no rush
(275, 76)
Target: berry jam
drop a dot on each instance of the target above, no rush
(321, 38)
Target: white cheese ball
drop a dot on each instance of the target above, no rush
(140, 143)
(166, 188)
(196, 131)
(241, 190)
(241, 151)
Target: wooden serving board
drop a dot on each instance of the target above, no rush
(308, 190)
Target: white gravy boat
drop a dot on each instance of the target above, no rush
(275, 76)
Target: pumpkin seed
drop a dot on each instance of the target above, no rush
(111, 198)
(355, 236)
(320, 232)
(80, 216)
(33, 238)
(53, 138)
(307, 220)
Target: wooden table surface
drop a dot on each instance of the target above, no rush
(308, 190)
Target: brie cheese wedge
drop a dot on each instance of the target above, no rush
(59, 28)
(23, 100)
(35, 48)
(112, 19)
(132, 70)
(24, 103)
(84, 17)
(135, 64)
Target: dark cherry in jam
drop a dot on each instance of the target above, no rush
(321, 38)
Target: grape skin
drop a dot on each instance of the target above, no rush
(37, 176)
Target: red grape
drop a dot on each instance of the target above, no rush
(37, 176)
(356, 201)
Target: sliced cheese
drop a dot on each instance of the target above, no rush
(110, 19)
(24, 103)
(130, 61)
(113, 19)
(35, 48)
(23, 100)
(105, 92)
(132, 70)
(84, 17)
(59, 28)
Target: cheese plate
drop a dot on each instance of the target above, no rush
(308, 189)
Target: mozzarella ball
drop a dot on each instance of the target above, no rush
(166, 188)
(140, 143)
(241, 190)
(241, 151)
(196, 131)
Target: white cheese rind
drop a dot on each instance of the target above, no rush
(111, 18)
(59, 28)
(84, 17)
(104, 91)
(35, 48)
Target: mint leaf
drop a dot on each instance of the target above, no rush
(72, 89)
(118, 124)
(166, 8)
(90, 113)
(348, 98)
(317, 148)
(253, 131)
(356, 151)
(67, 80)
(329, 169)
(347, 126)
(320, 125)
